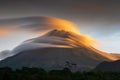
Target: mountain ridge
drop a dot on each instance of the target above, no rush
(113, 66)
(55, 49)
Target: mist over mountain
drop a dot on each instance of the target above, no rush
(57, 49)
(4, 54)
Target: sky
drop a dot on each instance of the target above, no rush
(98, 18)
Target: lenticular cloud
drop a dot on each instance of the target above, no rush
(35, 24)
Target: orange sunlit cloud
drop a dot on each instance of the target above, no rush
(46, 24)
(63, 25)
(87, 40)
(70, 27)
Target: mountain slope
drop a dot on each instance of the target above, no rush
(55, 50)
(109, 66)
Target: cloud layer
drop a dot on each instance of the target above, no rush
(40, 25)
(35, 24)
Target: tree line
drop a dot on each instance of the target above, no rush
(26, 73)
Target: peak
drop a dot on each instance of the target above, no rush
(60, 33)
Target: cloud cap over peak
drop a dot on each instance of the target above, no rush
(36, 24)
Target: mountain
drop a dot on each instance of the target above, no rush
(37, 25)
(57, 49)
(109, 66)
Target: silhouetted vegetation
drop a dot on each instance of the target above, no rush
(65, 74)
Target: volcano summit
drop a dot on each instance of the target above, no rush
(56, 49)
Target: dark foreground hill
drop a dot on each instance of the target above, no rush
(109, 66)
